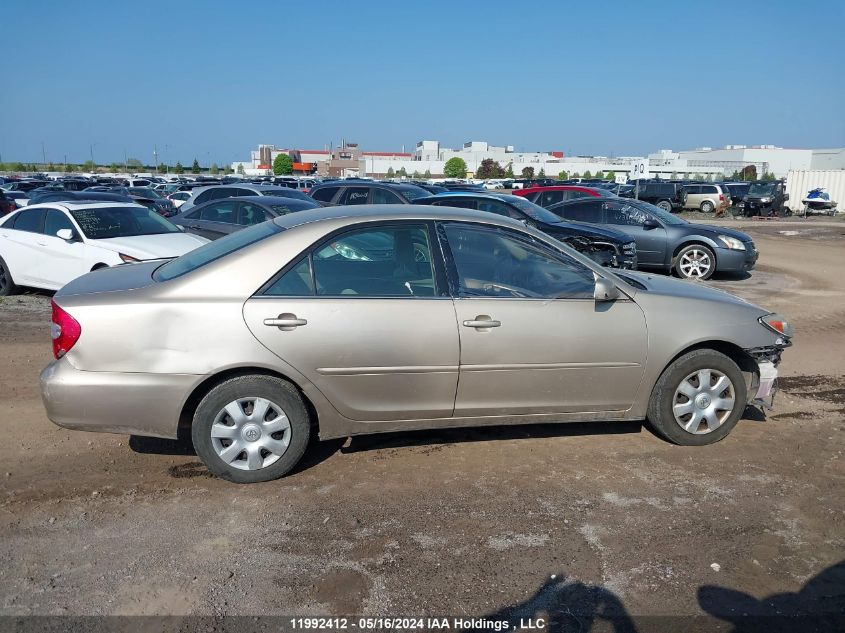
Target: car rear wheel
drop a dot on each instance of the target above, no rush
(707, 207)
(665, 205)
(695, 262)
(698, 399)
(7, 285)
(251, 428)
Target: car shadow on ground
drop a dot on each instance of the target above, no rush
(564, 605)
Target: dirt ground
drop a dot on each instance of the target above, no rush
(573, 520)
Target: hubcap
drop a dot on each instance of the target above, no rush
(250, 433)
(703, 401)
(695, 263)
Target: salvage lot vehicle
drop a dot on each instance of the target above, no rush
(666, 241)
(666, 195)
(766, 198)
(706, 198)
(220, 217)
(606, 246)
(366, 192)
(217, 192)
(446, 317)
(547, 196)
(47, 245)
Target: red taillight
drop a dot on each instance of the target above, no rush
(721, 198)
(65, 331)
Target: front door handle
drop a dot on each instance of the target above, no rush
(482, 322)
(285, 322)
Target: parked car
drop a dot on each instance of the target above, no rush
(75, 184)
(706, 198)
(7, 204)
(178, 198)
(25, 185)
(42, 196)
(145, 196)
(766, 198)
(47, 245)
(665, 241)
(605, 246)
(217, 192)
(738, 191)
(547, 196)
(666, 195)
(457, 318)
(428, 187)
(366, 192)
(300, 184)
(220, 217)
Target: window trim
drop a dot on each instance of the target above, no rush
(441, 287)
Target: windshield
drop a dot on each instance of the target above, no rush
(660, 214)
(414, 193)
(286, 193)
(762, 189)
(144, 192)
(98, 223)
(207, 253)
(533, 211)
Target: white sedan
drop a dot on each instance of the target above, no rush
(48, 245)
(178, 198)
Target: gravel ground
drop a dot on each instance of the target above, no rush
(583, 523)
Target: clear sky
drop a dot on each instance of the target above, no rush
(212, 80)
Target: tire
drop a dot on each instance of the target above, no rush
(280, 449)
(665, 205)
(695, 261)
(7, 284)
(692, 427)
(706, 207)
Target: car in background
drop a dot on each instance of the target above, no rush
(666, 195)
(707, 198)
(766, 198)
(220, 217)
(547, 196)
(25, 186)
(48, 245)
(300, 184)
(348, 192)
(145, 196)
(738, 191)
(75, 184)
(665, 241)
(41, 196)
(607, 247)
(217, 192)
(282, 333)
(427, 186)
(178, 198)
(7, 204)
(20, 198)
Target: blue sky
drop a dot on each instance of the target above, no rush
(211, 79)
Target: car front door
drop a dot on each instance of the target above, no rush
(366, 317)
(647, 231)
(532, 338)
(213, 220)
(62, 260)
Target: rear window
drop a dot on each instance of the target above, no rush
(212, 251)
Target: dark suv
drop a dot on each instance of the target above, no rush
(366, 192)
(666, 195)
(766, 198)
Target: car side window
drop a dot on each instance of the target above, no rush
(494, 206)
(383, 196)
(548, 198)
(694, 189)
(249, 214)
(355, 195)
(709, 189)
(494, 262)
(583, 211)
(29, 220)
(325, 194)
(458, 203)
(55, 221)
(296, 282)
(205, 196)
(624, 214)
(384, 261)
(219, 212)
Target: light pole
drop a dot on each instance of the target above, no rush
(93, 164)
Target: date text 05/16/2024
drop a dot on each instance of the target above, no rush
(416, 624)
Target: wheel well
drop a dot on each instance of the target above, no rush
(738, 355)
(200, 391)
(680, 247)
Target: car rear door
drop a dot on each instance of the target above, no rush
(365, 315)
(19, 246)
(532, 338)
(215, 220)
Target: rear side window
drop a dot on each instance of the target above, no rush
(205, 196)
(325, 194)
(29, 220)
(219, 212)
(355, 195)
(585, 211)
(297, 282)
(709, 189)
(383, 196)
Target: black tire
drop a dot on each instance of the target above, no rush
(660, 406)
(665, 205)
(680, 264)
(706, 207)
(7, 284)
(276, 390)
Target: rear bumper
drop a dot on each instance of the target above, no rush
(114, 402)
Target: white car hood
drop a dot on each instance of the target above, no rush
(152, 246)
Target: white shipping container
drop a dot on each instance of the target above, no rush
(801, 181)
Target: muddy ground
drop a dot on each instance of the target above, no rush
(460, 522)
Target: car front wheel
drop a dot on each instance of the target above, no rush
(695, 262)
(7, 285)
(251, 428)
(698, 399)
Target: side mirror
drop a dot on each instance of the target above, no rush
(605, 290)
(65, 234)
(651, 223)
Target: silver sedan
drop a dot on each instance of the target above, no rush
(346, 321)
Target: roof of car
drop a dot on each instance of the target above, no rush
(75, 205)
(267, 200)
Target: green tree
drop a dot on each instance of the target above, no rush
(134, 163)
(611, 176)
(51, 167)
(283, 165)
(195, 167)
(89, 165)
(455, 167)
(402, 172)
(527, 172)
(576, 175)
(19, 167)
(600, 174)
(214, 169)
(178, 169)
(390, 172)
(415, 175)
(509, 171)
(115, 167)
(562, 175)
(542, 173)
(241, 169)
(587, 174)
(162, 168)
(489, 168)
(70, 168)
(427, 174)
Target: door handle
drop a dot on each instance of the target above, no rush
(482, 322)
(285, 322)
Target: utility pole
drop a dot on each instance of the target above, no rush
(155, 156)
(43, 153)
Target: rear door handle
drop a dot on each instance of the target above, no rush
(285, 322)
(482, 321)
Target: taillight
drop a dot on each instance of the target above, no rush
(65, 331)
(721, 198)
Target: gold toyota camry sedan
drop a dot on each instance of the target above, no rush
(352, 320)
